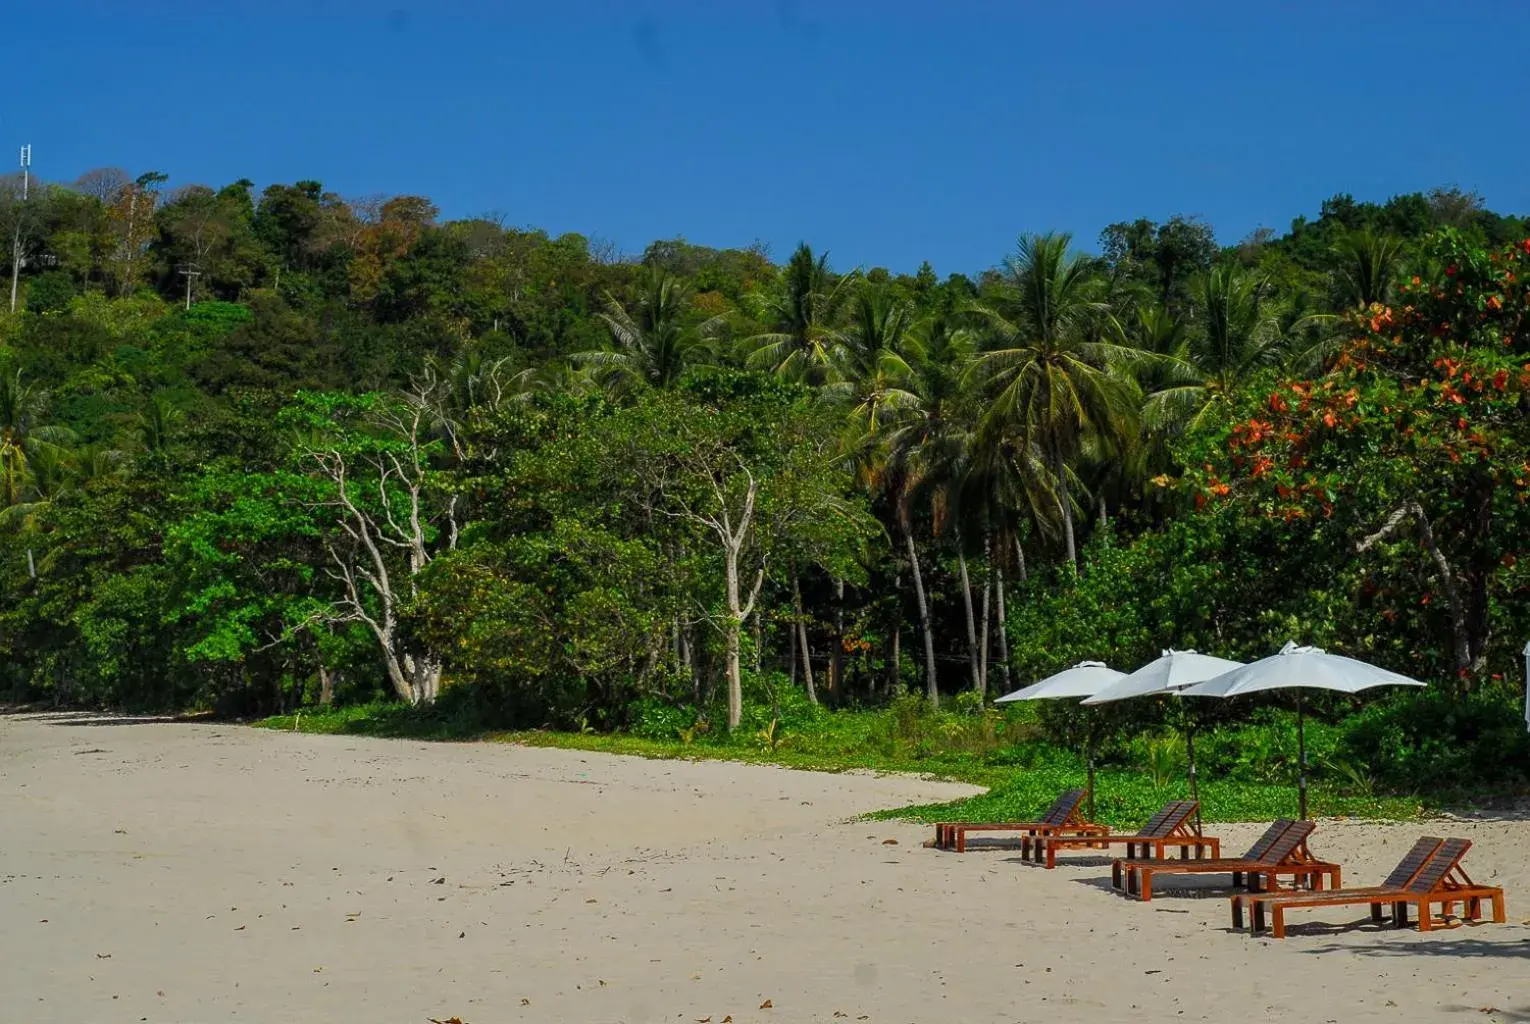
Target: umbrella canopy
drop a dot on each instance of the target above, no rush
(1082, 680)
(1170, 673)
(1300, 668)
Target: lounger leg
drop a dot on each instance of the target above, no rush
(1237, 879)
(1500, 914)
(1376, 912)
(1425, 916)
(1237, 913)
(1115, 874)
(1145, 883)
(1256, 918)
(1400, 914)
(1278, 921)
(961, 840)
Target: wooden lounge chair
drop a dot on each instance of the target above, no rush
(1440, 880)
(1282, 850)
(1376, 895)
(1064, 817)
(1169, 827)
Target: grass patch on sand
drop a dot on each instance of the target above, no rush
(1125, 799)
(1021, 773)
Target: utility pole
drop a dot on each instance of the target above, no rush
(188, 271)
(26, 180)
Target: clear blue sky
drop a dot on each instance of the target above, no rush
(885, 132)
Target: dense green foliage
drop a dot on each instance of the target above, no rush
(265, 452)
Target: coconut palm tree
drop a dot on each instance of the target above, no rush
(928, 445)
(871, 376)
(1196, 373)
(1053, 342)
(1367, 266)
(21, 435)
(804, 342)
(651, 343)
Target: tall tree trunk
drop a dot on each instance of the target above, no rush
(972, 644)
(733, 627)
(1104, 523)
(759, 637)
(837, 651)
(688, 663)
(983, 634)
(802, 641)
(931, 680)
(1061, 466)
(895, 660)
(998, 581)
(791, 649)
(1020, 559)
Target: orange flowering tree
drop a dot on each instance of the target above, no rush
(1406, 464)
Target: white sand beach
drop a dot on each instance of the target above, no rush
(176, 872)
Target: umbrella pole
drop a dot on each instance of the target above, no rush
(1089, 743)
(1301, 757)
(1194, 789)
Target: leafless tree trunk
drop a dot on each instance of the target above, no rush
(931, 680)
(1020, 559)
(383, 548)
(1449, 582)
(895, 660)
(733, 529)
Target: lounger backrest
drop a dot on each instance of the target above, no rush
(1063, 807)
(1409, 865)
(1173, 815)
(1295, 835)
(1441, 864)
(1275, 831)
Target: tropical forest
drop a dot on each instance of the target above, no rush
(341, 464)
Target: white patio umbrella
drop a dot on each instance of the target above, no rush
(1082, 680)
(1173, 672)
(1300, 668)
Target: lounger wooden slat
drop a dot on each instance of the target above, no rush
(1263, 843)
(1064, 817)
(1399, 877)
(1282, 850)
(1171, 826)
(1439, 879)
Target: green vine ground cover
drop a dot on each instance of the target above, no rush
(1021, 778)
